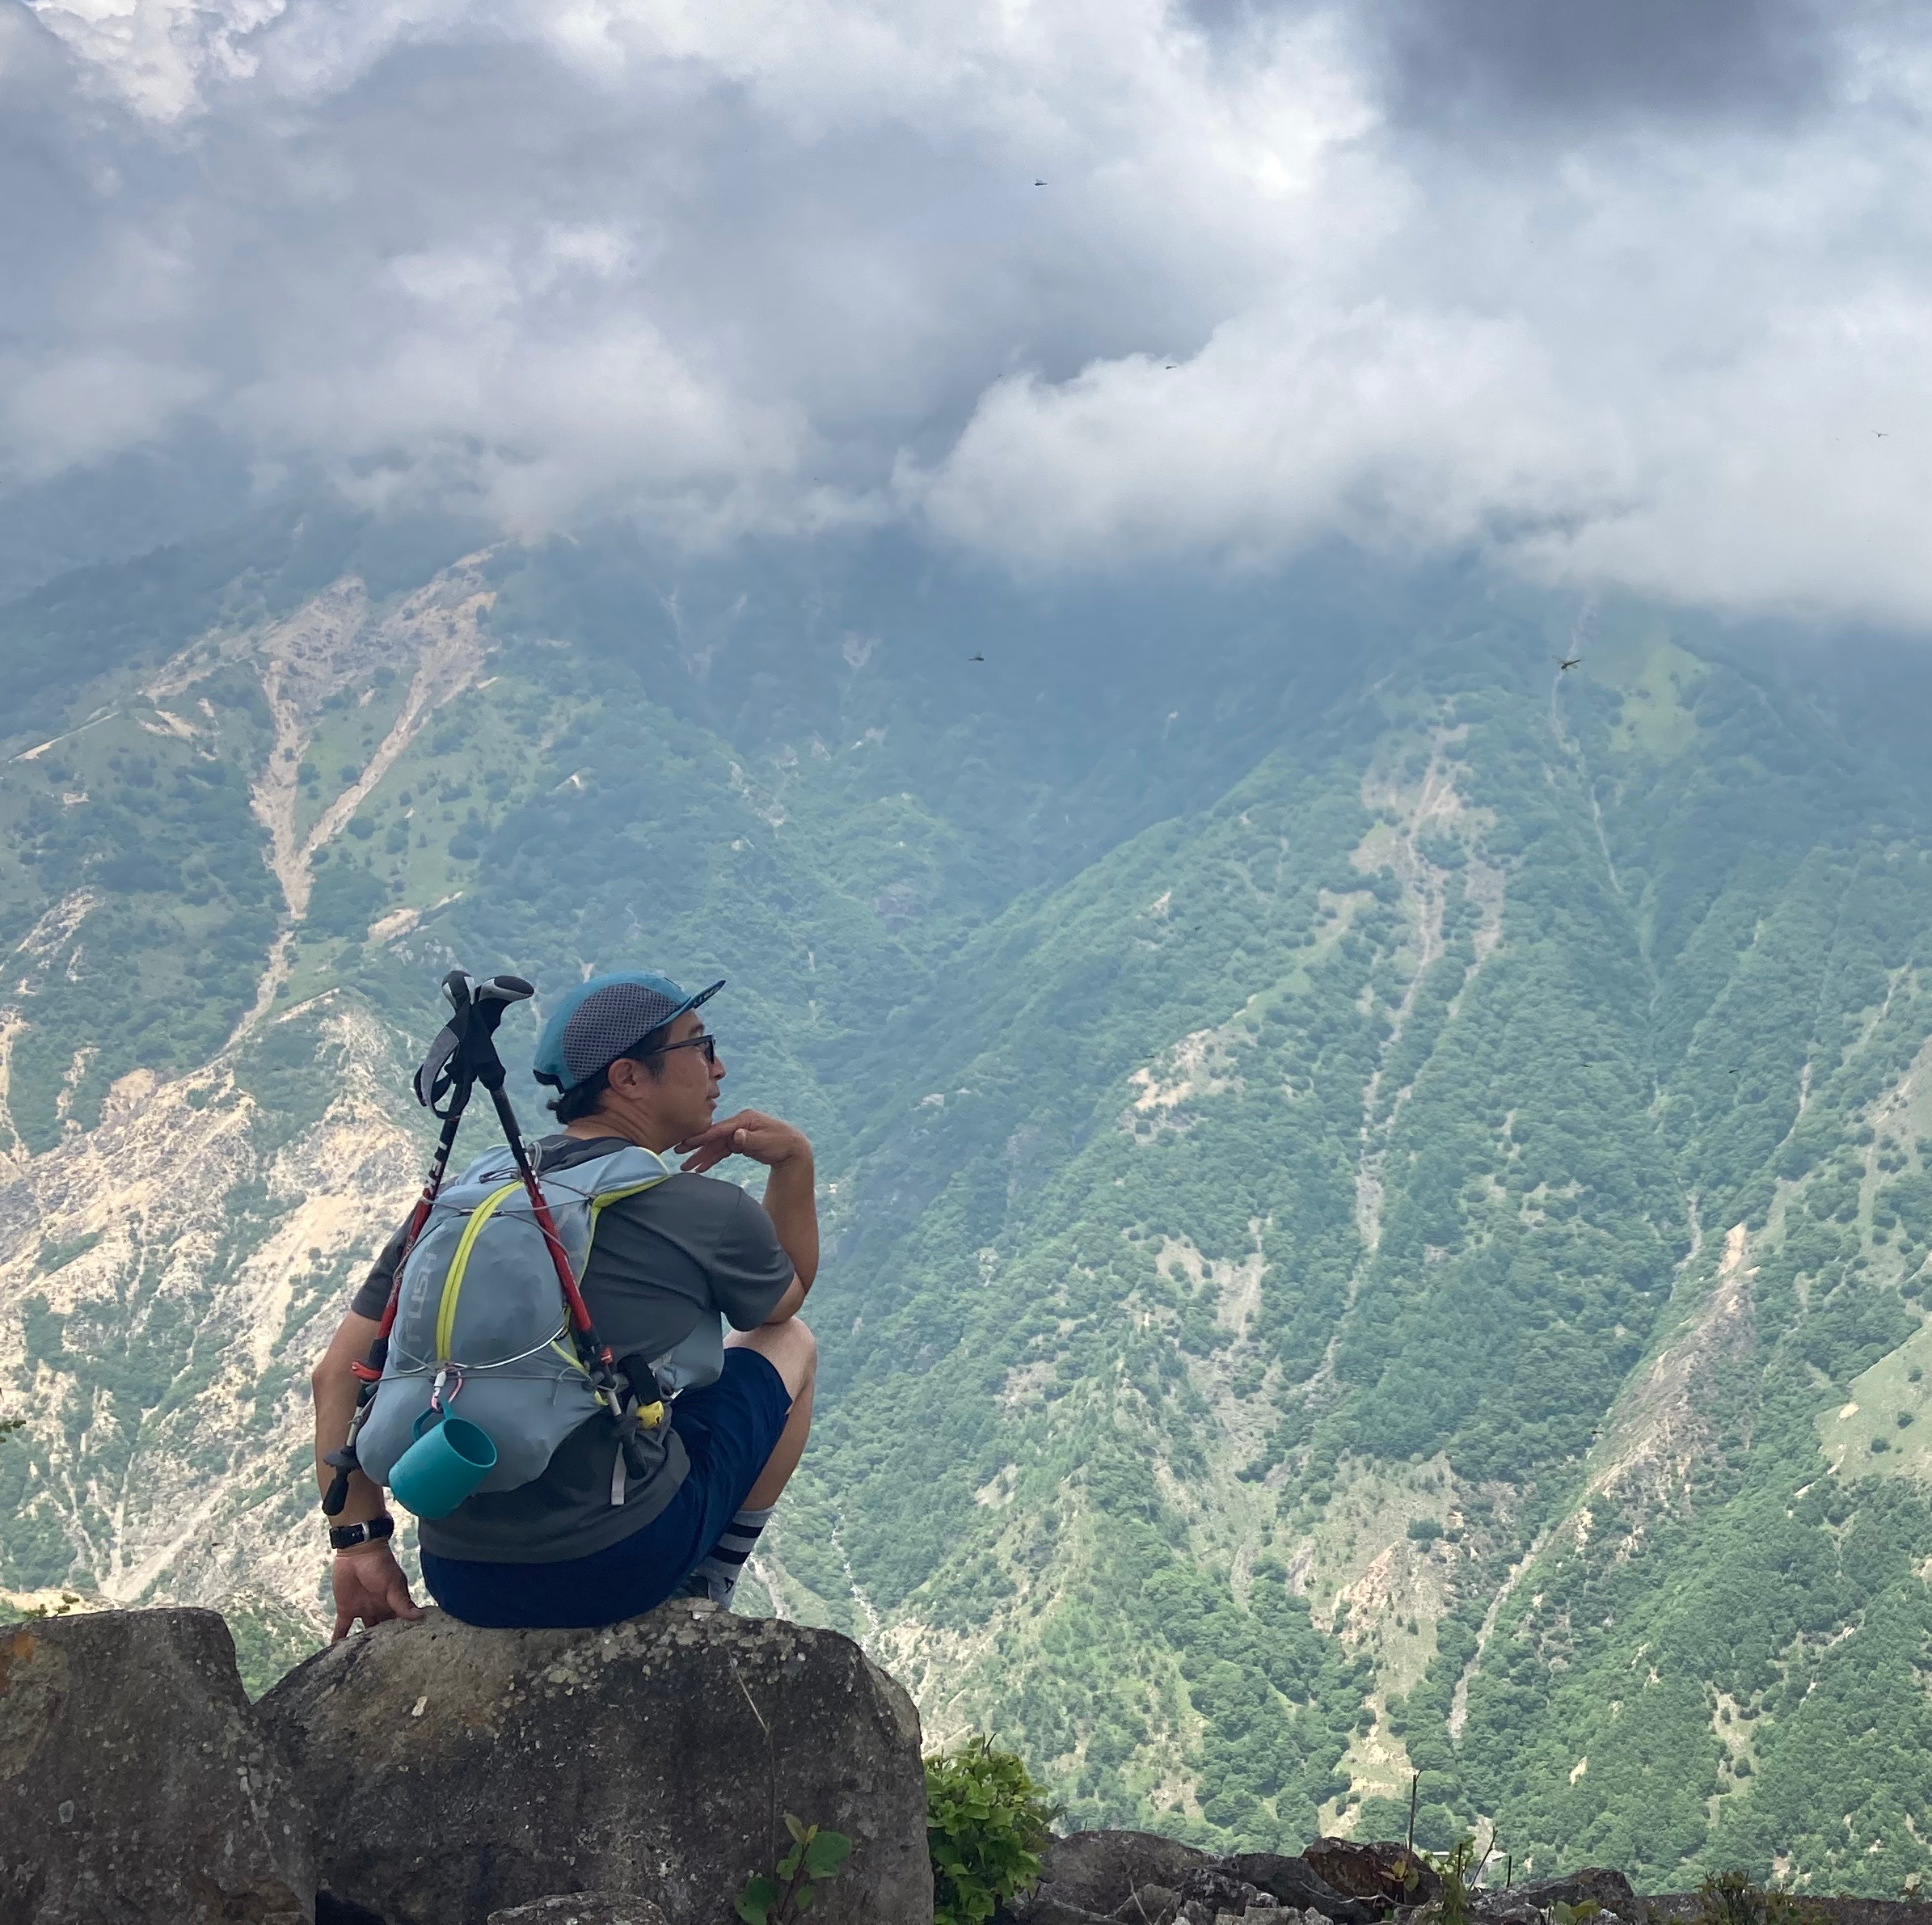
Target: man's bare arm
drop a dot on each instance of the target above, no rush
(790, 1195)
(791, 1202)
(335, 1388)
(367, 1581)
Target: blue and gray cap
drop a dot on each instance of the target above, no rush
(593, 1024)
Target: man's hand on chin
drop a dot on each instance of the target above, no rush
(750, 1133)
(369, 1584)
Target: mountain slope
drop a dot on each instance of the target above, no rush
(1365, 1176)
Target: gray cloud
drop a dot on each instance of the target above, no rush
(1615, 292)
(1562, 65)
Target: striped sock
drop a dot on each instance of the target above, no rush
(718, 1572)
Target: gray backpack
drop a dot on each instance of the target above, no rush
(481, 1330)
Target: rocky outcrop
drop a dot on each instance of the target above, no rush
(1594, 1884)
(1388, 1874)
(463, 1772)
(1294, 1881)
(1096, 1871)
(1530, 1902)
(1143, 1879)
(136, 1784)
(1684, 1908)
(433, 1774)
(1138, 1878)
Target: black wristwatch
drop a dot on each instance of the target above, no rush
(346, 1537)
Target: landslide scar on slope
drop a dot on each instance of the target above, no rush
(323, 648)
(1661, 1426)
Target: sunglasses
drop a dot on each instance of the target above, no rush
(707, 1043)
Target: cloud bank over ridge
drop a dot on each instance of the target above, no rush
(1633, 292)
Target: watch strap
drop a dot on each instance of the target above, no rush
(345, 1537)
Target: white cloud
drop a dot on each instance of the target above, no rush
(157, 53)
(1412, 429)
(784, 266)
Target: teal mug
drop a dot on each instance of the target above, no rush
(442, 1466)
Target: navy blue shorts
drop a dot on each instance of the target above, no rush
(729, 1429)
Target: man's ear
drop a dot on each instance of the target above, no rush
(628, 1077)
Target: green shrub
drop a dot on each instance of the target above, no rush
(986, 1825)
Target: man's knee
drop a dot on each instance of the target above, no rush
(792, 1349)
(799, 1364)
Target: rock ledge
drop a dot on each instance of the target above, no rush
(463, 1772)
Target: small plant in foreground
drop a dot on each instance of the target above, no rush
(777, 1898)
(986, 1825)
(1459, 1869)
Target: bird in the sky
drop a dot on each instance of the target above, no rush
(976, 658)
(1881, 433)
(1570, 663)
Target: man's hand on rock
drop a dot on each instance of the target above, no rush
(369, 1584)
(750, 1133)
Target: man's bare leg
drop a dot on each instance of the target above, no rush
(792, 1351)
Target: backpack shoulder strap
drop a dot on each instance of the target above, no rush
(600, 1181)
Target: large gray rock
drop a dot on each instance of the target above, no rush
(463, 1772)
(137, 1786)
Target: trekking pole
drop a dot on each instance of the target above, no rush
(480, 1008)
(443, 1083)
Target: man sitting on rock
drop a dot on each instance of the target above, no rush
(632, 1062)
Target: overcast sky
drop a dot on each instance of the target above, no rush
(1621, 290)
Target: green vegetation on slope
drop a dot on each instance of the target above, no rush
(1362, 1184)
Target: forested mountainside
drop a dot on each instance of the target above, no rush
(1378, 1189)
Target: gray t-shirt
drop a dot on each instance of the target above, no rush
(665, 1260)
